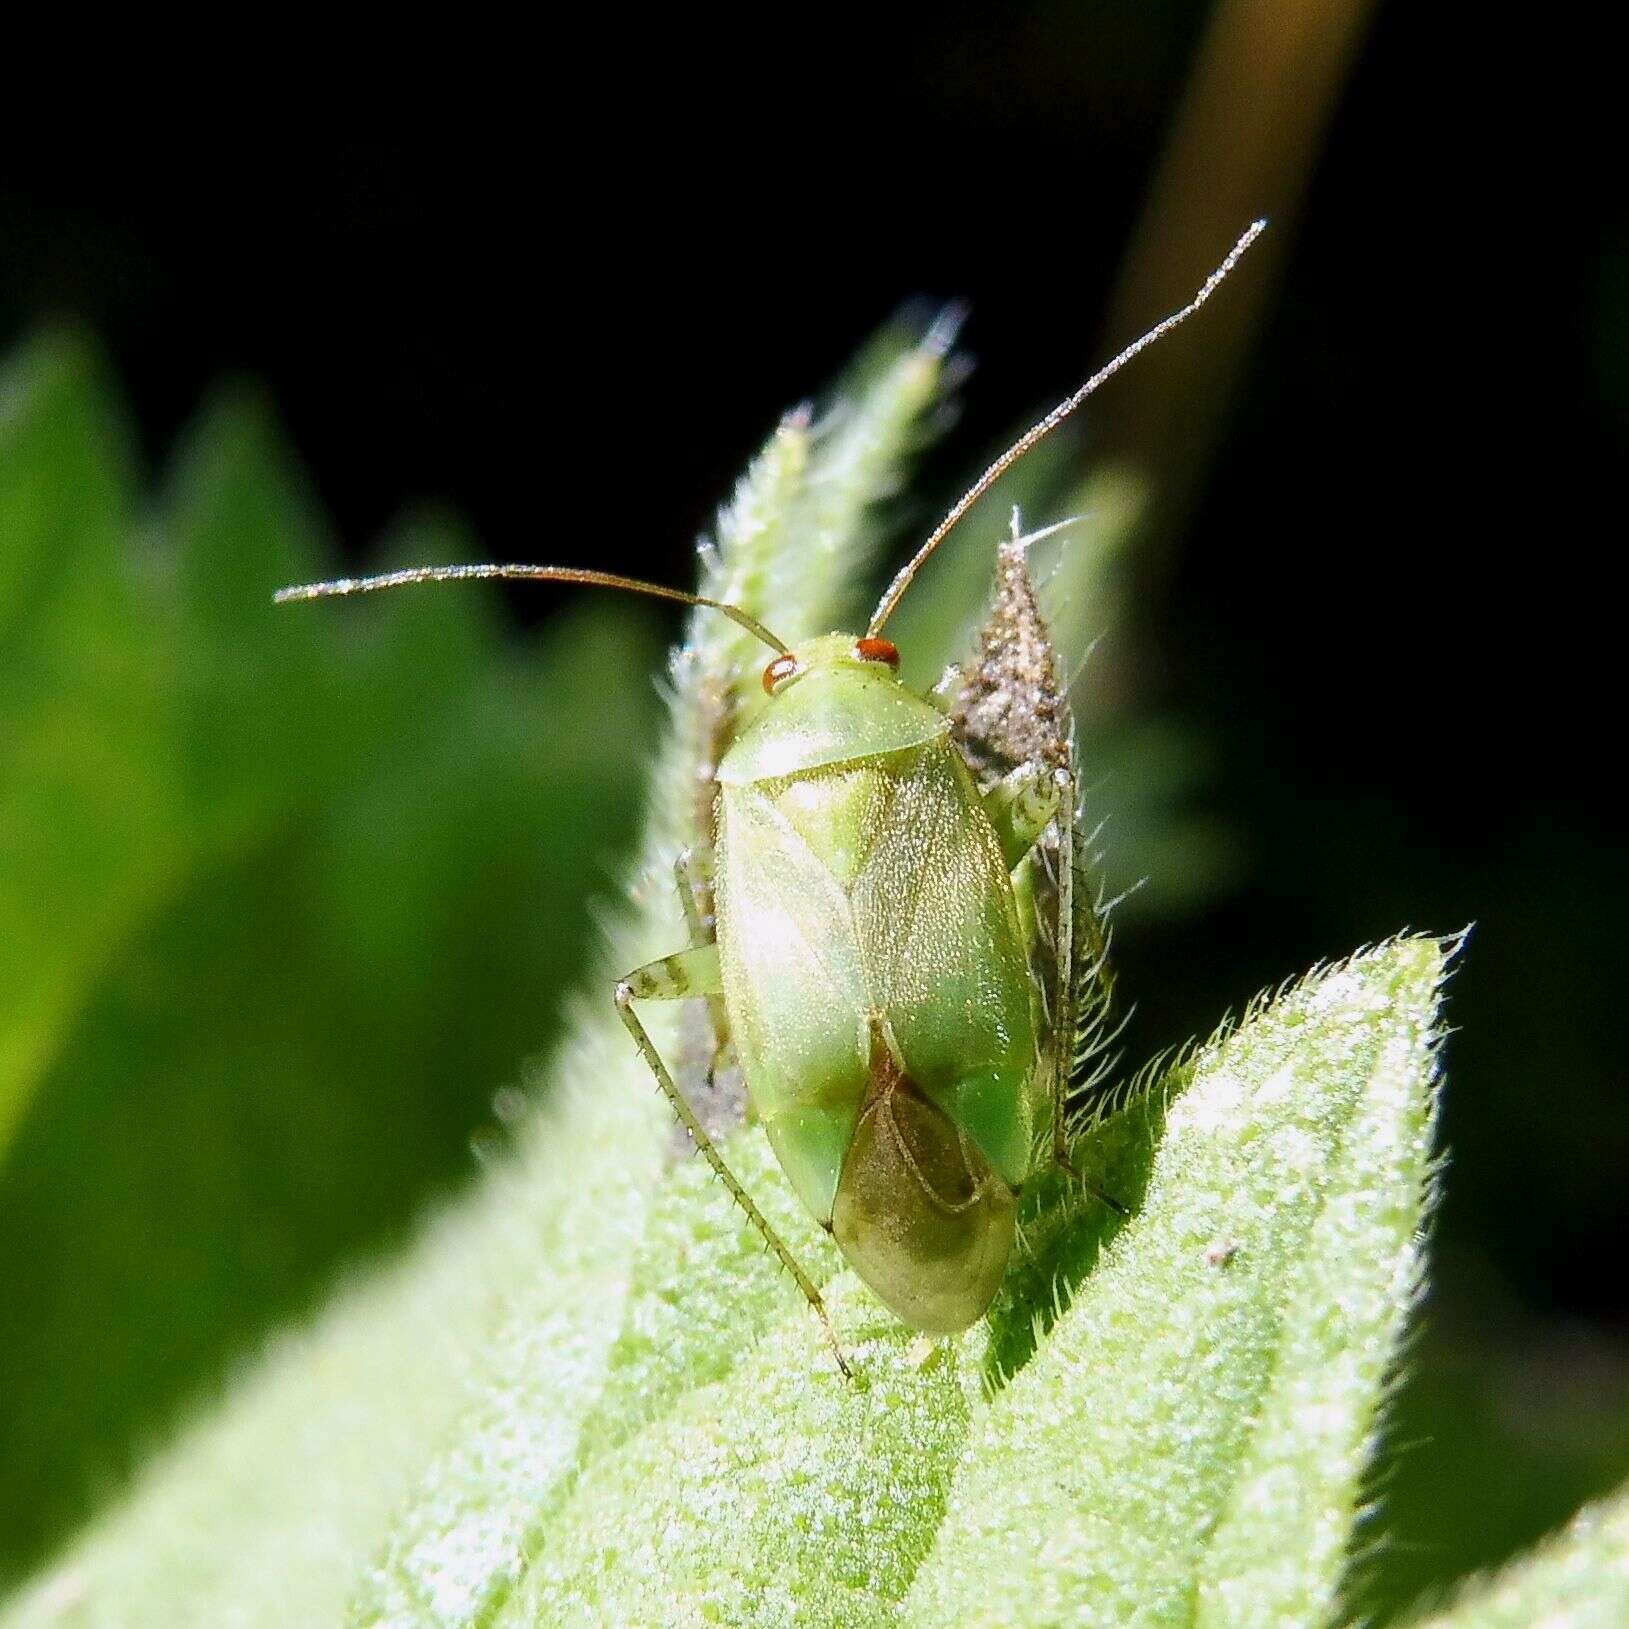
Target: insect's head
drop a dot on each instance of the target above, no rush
(831, 650)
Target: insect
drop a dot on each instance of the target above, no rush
(869, 955)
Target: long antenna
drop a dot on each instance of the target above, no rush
(546, 574)
(890, 599)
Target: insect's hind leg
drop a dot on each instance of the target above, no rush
(695, 972)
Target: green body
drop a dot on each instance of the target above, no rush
(877, 983)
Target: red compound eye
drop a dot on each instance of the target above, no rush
(877, 650)
(782, 668)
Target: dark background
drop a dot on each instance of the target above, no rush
(568, 299)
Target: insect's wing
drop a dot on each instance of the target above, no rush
(795, 990)
(944, 953)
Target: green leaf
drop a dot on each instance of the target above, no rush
(87, 789)
(283, 898)
(1577, 1580)
(784, 1495)
(266, 1510)
(1188, 1443)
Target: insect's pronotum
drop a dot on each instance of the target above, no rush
(869, 955)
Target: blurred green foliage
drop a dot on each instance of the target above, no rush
(283, 899)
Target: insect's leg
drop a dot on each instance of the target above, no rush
(1063, 999)
(1021, 805)
(695, 972)
(686, 973)
(693, 875)
(685, 868)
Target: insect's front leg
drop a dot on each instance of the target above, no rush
(696, 972)
(1022, 804)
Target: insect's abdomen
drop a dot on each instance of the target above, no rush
(919, 1213)
(873, 890)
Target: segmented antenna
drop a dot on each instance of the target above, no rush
(891, 598)
(548, 574)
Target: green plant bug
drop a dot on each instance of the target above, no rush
(866, 953)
